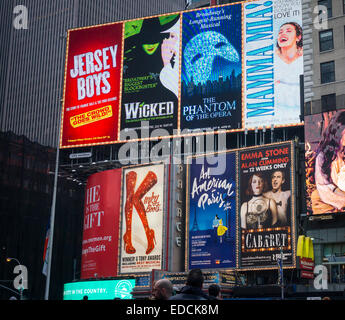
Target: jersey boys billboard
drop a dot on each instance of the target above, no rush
(92, 86)
(242, 220)
(227, 67)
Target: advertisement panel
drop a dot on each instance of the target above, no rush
(211, 75)
(142, 217)
(211, 215)
(92, 86)
(273, 40)
(229, 67)
(324, 162)
(99, 290)
(101, 225)
(150, 75)
(267, 213)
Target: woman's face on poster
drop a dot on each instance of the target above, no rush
(169, 48)
(287, 36)
(257, 185)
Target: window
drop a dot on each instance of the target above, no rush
(328, 5)
(326, 40)
(327, 72)
(328, 102)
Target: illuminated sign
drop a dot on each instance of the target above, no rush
(142, 217)
(273, 45)
(99, 290)
(101, 225)
(241, 213)
(324, 162)
(211, 220)
(228, 67)
(92, 86)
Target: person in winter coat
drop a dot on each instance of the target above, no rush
(193, 288)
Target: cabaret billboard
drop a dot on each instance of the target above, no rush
(267, 225)
(228, 67)
(324, 162)
(241, 209)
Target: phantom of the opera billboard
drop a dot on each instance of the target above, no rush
(143, 216)
(229, 67)
(324, 162)
(241, 209)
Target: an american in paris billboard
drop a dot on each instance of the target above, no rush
(236, 65)
(211, 218)
(244, 216)
(324, 162)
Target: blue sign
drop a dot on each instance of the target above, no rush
(212, 215)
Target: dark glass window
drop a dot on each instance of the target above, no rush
(327, 72)
(328, 102)
(326, 40)
(328, 5)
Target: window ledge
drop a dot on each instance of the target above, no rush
(327, 51)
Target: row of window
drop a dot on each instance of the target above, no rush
(327, 69)
(326, 40)
(328, 5)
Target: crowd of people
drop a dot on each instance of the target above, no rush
(193, 290)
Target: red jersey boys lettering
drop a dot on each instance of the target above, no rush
(89, 63)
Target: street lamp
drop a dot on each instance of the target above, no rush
(8, 259)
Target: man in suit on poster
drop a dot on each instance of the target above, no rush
(282, 198)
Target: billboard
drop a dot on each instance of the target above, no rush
(101, 225)
(99, 290)
(267, 210)
(324, 162)
(92, 86)
(273, 45)
(211, 76)
(241, 214)
(229, 67)
(142, 219)
(150, 85)
(211, 215)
